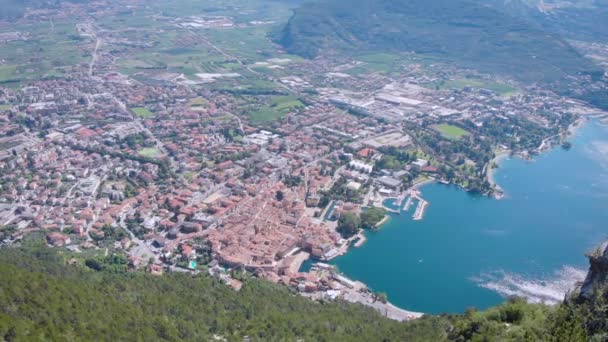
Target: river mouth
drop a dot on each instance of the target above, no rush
(473, 251)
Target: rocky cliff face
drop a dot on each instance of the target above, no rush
(597, 277)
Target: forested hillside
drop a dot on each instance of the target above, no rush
(585, 20)
(465, 32)
(45, 298)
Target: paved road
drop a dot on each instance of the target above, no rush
(386, 309)
(141, 250)
(94, 56)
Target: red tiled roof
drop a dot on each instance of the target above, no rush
(366, 152)
(85, 132)
(429, 169)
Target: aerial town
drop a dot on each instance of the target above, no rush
(232, 162)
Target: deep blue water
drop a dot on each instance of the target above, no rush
(473, 251)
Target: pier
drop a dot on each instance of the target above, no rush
(361, 240)
(419, 213)
(405, 201)
(394, 211)
(422, 205)
(382, 222)
(408, 204)
(399, 200)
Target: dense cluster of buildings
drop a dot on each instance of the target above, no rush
(173, 174)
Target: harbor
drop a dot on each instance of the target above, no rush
(422, 205)
(404, 202)
(419, 213)
(486, 252)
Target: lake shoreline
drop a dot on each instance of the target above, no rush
(493, 166)
(500, 157)
(393, 242)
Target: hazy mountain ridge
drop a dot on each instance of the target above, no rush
(472, 34)
(581, 20)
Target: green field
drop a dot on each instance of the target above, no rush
(240, 11)
(150, 152)
(172, 49)
(285, 102)
(5, 107)
(278, 107)
(199, 102)
(450, 131)
(375, 62)
(44, 54)
(251, 84)
(461, 83)
(142, 112)
(249, 44)
(265, 114)
(134, 64)
(379, 58)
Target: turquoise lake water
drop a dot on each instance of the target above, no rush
(473, 251)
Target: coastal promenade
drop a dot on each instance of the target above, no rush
(386, 309)
(297, 262)
(355, 292)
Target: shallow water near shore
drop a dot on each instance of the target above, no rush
(473, 251)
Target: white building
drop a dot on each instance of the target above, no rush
(420, 163)
(354, 185)
(361, 166)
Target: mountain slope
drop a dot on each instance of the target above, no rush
(585, 20)
(468, 33)
(44, 298)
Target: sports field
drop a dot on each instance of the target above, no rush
(450, 131)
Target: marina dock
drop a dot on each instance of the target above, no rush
(405, 201)
(394, 211)
(361, 240)
(399, 200)
(419, 213)
(408, 204)
(422, 204)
